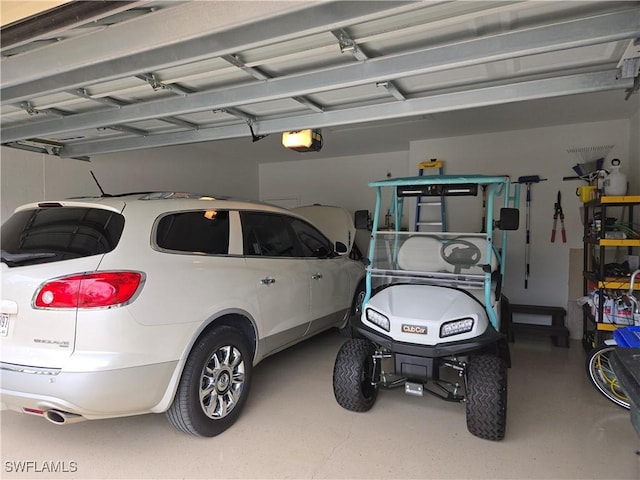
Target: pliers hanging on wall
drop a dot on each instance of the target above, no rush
(558, 213)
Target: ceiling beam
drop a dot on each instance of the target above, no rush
(37, 73)
(583, 32)
(473, 98)
(349, 45)
(260, 75)
(58, 19)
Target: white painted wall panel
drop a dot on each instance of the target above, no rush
(30, 177)
(334, 181)
(184, 168)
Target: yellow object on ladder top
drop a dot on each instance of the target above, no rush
(439, 164)
(430, 211)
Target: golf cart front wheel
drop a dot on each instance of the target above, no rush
(353, 376)
(486, 396)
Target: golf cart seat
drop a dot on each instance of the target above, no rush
(422, 253)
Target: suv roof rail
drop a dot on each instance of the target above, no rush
(186, 195)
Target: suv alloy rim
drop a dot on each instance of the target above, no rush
(221, 382)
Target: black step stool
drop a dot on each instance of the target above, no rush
(557, 331)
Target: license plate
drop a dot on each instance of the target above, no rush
(413, 389)
(4, 324)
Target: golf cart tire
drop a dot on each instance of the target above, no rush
(486, 396)
(353, 385)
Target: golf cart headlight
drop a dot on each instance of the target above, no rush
(378, 319)
(456, 327)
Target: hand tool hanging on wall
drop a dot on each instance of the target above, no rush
(558, 213)
(528, 181)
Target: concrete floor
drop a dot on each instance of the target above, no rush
(558, 427)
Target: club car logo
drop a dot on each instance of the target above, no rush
(414, 329)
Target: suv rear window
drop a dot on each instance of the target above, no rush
(53, 234)
(202, 231)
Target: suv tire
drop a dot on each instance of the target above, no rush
(486, 396)
(353, 376)
(355, 311)
(214, 384)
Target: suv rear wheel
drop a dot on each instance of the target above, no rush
(486, 396)
(214, 384)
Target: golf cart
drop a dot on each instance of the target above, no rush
(430, 318)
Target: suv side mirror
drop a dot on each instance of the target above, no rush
(341, 248)
(362, 220)
(509, 219)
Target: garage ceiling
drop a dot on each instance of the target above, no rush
(90, 78)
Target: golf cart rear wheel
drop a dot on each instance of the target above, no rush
(353, 376)
(486, 396)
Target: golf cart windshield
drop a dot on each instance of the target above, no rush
(448, 259)
(468, 261)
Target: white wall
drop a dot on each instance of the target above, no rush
(333, 181)
(29, 177)
(186, 168)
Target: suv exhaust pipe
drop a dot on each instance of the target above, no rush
(62, 418)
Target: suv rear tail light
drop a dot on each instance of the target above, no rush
(90, 290)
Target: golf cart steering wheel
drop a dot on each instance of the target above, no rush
(460, 253)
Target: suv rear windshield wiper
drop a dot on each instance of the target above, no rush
(9, 257)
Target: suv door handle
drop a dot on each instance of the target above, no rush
(267, 281)
(316, 276)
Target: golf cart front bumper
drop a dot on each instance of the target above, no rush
(422, 361)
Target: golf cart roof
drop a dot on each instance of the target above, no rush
(440, 179)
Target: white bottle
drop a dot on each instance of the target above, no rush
(616, 182)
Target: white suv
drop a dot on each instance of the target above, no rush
(163, 302)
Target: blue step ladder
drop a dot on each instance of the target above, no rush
(430, 211)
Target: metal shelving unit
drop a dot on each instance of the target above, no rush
(596, 243)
